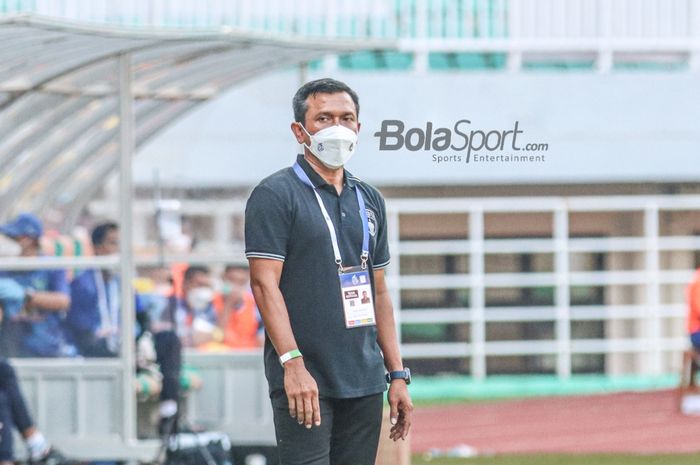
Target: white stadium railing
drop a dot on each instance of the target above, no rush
(649, 309)
(605, 32)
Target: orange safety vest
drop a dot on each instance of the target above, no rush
(692, 293)
(241, 329)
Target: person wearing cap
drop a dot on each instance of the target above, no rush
(316, 239)
(49, 291)
(38, 329)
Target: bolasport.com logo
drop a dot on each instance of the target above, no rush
(462, 143)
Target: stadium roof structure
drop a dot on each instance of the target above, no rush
(61, 97)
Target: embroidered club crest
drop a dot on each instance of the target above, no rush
(371, 222)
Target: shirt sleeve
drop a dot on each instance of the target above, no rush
(381, 257)
(58, 282)
(82, 300)
(267, 224)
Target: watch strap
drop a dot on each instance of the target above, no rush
(404, 374)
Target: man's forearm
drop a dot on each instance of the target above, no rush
(52, 301)
(273, 311)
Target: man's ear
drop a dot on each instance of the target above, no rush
(298, 132)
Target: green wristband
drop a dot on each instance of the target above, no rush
(289, 355)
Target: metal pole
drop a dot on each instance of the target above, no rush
(303, 73)
(126, 151)
(654, 333)
(158, 200)
(562, 296)
(394, 269)
(57, 263)
(477, 293)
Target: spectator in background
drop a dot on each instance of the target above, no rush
(14, 412)
(185, 320)
(38, 329)
(94, 318)
(167, 347)
(693, 298)
(237, 312)
(192, 315)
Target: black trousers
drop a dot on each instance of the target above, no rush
(348, 435)
(13, 409)
(89, 345)
(169, 357)
(7, 453)
(10, 387)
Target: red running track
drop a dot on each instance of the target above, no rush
(639, 423)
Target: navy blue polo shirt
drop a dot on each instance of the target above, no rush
(283, 222)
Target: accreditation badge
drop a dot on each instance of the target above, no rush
(356, 292)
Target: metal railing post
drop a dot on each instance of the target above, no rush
(562, 299)
(330, 62)
(126, 153)
(694, 35)
(477, 294)
(653, 284)
(420, 57)
(394, 269)
(604, 61)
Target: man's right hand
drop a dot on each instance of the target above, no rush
(302, 393)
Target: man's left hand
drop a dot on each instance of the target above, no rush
(401, 409)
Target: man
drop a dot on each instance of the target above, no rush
(315, 238)
(192, 315)
(365, 298)
(188, 320)
(14, 413)
(238, 314)
(94, 315)
(39, 329)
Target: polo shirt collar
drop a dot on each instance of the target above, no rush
(317, 180)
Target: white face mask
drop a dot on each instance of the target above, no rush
(333, 145)
(199, 298)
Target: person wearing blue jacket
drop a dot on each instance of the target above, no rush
(93, 320)
(38, 329)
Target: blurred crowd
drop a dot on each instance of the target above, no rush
(69, 313)
(78, 313)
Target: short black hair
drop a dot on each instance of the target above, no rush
(320, 86)
(99, 234)
(193, 270)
